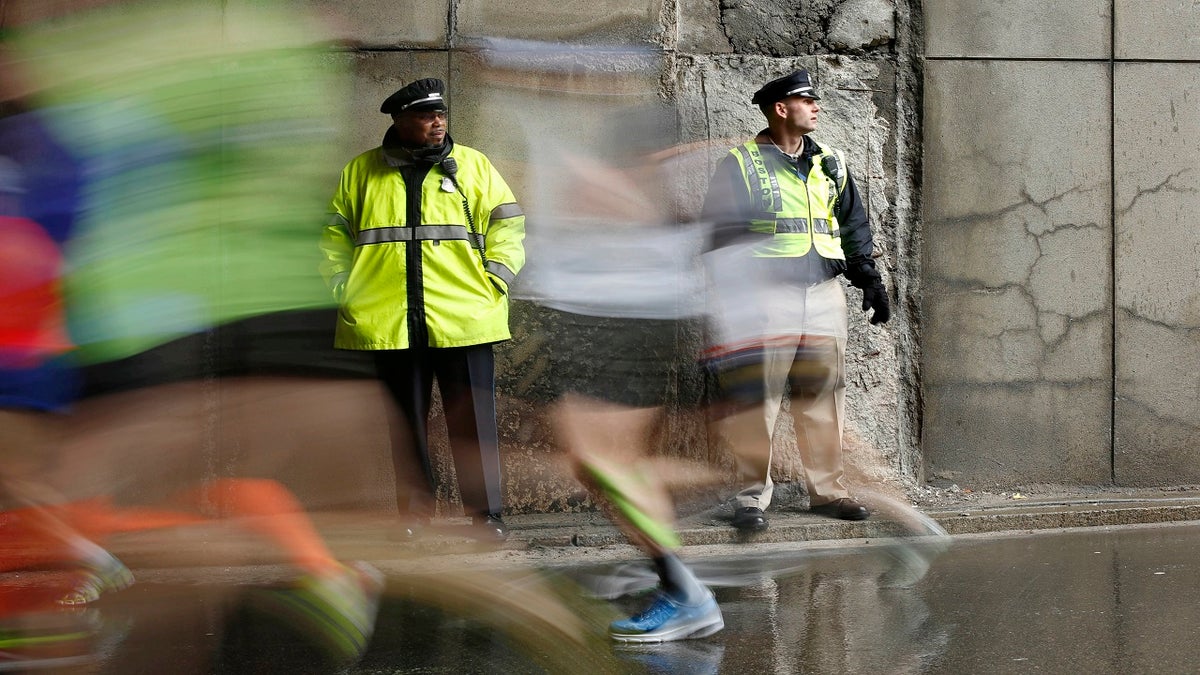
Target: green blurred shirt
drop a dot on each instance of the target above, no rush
(208, 137)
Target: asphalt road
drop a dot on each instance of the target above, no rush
(1117, 599)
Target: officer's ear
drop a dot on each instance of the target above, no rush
(780, 109)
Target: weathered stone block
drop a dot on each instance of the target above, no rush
(858, 24)
(1070, 29)
(778, 28)
(390, 23)
(700, 29)
(591, 21)
(526, 100)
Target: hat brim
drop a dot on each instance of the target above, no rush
(425, 107)
(809, 94)
(805, 92)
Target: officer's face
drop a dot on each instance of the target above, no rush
(420, 128)
(800, 113)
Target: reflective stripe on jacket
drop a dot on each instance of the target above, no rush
(451, 291)
(798, 211)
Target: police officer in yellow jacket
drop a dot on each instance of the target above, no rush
(423, 241)
(787, 220)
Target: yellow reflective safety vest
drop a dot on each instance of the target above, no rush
(441, 277)
(798, 211)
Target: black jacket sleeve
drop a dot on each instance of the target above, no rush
(855, 231)
(726, 205)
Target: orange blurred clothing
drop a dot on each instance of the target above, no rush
(32, 325)
(262, 506)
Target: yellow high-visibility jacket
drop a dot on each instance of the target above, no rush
(409, 268)
(799, 212)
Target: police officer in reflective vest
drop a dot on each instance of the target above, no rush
(788, 220)
(423, 241)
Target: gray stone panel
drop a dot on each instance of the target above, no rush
(1158, 298)
(390, 23)
(1157, 30)
(1011, 434)
(1017, 290)
(591, 21)
(1158, 192)
(1157, 440)
(1066, 29)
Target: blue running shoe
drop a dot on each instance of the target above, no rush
(667, 620)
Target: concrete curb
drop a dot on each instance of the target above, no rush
(572, 538)
(586, 530)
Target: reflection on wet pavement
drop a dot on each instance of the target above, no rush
(1087, 600)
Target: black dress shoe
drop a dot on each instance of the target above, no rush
(844, 508)
(749, 519)
(489, 528)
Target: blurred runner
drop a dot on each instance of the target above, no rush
(38, 197)
(203, 132)
(618, 276)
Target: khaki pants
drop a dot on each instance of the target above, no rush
(814, 364)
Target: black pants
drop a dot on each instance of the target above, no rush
(466, 380)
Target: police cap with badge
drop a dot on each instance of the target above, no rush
(422, 95)
(797, 83)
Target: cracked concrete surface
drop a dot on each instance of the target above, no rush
(1061, 247)
(1017, 310)
(1157, 297)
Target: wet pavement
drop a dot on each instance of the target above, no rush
(1093, 599)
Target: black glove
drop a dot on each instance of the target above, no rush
(875, 297)
(864, 276)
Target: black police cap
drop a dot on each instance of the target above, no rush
(797, 83)
(426, 94)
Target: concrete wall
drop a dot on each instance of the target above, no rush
(1060, 304)
(1028, 169)
(504, 65)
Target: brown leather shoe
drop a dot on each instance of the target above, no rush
(844, 508)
